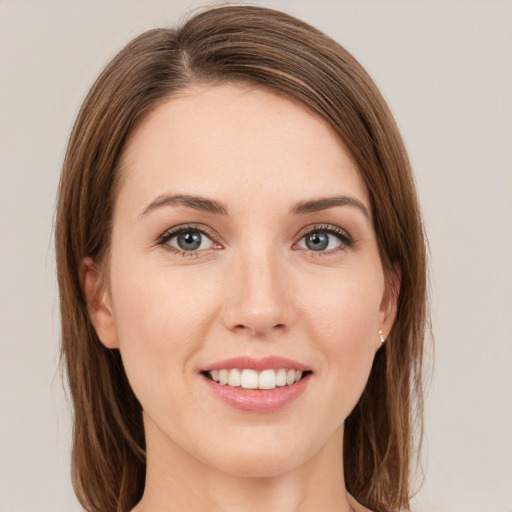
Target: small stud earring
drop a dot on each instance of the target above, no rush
(381, 336)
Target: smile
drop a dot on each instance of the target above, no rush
(257, 385)
(252, 379)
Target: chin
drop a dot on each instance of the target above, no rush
(262, 458)
(259, 466)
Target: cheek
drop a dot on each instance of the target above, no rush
(160, 318)
(155, 300)
(344, 306)
(344, 322)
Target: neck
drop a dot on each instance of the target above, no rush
(177, 481)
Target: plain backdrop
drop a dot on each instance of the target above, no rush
(445, 67)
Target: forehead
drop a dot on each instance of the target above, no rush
(239, 140)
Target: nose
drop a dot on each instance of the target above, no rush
(257, 300)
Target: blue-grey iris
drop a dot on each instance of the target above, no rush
(317, 241)
(189, 240)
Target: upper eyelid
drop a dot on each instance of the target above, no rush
(172, 232)
(210, 232)
(322, 227)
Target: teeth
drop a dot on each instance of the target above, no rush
(281, 377)
(234, 378)
(251, 379)
(267, 379)
(223, 376)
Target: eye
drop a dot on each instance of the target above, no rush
(325, 239)
(186, 240)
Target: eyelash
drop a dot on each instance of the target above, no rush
(168, 235)
(346, 241)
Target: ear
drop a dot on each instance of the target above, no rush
(98, 303)
(389, 303)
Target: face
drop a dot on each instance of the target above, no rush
(242, 229)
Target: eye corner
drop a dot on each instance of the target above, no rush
(164, 239)
(344, 238)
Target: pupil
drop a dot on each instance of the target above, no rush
(317, 241)
(189, 240)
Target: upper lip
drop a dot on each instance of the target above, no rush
(265, 363)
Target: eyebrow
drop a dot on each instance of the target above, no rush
(324, 203)
(218, 208)
(195, 202)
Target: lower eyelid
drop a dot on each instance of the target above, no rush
(342, 245)
(208, 240)
(337, 233)
(345, 241)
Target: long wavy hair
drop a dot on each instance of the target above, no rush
(232, 44)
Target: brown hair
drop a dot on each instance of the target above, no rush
(271, 49)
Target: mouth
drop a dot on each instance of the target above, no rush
(247, 378)
(257, 385)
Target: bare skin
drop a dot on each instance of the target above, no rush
(255, 286)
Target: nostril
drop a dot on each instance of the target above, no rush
(255, 331)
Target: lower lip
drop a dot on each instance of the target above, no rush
(254, 400)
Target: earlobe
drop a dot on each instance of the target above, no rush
(98, 303)
(389, 304)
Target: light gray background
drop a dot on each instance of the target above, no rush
(446, 70)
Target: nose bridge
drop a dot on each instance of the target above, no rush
(258, 298)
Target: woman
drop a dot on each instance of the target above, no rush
(241, 266)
